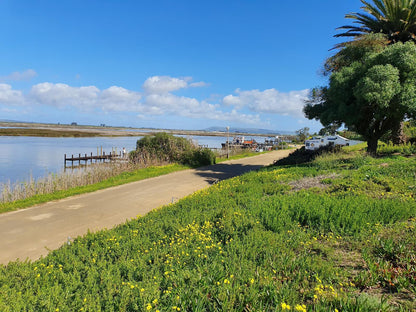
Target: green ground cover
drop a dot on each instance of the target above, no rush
(335, 234)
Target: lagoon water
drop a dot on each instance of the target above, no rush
(25, 157)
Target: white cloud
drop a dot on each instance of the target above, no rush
(163, 84)
(8, 96)
(269, 101)
(198, 84)
(119, 99)
(8, 110)
(159, 104)
(62, 95)
(169, 103)
(166, 84)
(158, 99)
(113, 99)
(20, 76)
(235, 116)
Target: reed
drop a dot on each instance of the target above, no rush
(69, 179)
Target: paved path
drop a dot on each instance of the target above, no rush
(30, 233)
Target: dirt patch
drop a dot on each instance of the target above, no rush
(310, 182)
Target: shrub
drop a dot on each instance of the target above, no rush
(203, 157)
(166, 148)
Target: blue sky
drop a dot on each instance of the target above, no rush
(171, 64)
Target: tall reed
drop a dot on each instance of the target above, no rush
(68, 179)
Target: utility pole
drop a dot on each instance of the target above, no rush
(228, 142)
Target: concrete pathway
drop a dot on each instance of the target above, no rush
(30, 233)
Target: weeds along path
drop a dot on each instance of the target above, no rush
(31, 233)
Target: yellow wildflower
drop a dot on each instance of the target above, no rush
(301, 308)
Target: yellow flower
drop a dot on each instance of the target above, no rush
(285, 306)
(300, 308)
(148, 307)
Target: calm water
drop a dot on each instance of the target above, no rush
(22, 157)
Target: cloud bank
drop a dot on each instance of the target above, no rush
(269, 101)
(158, 98)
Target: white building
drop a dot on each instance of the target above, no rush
(317, 142)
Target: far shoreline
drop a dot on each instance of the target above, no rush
(63, 130)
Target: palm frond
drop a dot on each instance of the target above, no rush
(395, 18)
(379, 10)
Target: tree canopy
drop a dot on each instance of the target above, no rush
(371, 94)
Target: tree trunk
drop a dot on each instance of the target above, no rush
(372, 146)
(398, 136)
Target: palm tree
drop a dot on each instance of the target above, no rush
(394, 18)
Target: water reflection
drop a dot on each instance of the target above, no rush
(23, 157)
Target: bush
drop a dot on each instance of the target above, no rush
(166, 148)
(204, 157)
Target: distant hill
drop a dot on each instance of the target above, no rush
(250, 130)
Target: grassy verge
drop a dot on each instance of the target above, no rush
(243, 154)
(123, 178)
(336, 234)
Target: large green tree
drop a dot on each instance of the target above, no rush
(371, 95)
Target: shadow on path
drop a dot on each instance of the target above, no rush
(218, 172)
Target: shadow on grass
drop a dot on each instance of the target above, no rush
(218, 172)
(302, 156)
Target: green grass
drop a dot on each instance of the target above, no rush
(263, 241)
(243, 154)
(389, 149)
(123, 178)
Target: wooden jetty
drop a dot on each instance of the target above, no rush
(92, 159)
